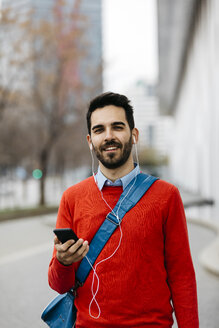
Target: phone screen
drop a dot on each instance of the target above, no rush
(65, 234)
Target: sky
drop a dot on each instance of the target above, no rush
(129, 43)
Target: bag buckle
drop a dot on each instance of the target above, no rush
(110, 216)
(73, 290)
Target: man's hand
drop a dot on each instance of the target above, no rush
(70, 251)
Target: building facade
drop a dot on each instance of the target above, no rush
(153, 128)
(189, 79)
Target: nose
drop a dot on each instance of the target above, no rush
(109, 134)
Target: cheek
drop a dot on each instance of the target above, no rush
(124, 139)
(96, 141)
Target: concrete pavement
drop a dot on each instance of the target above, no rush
(206, 217)
(25, 251)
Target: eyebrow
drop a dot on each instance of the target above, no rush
(113, 124)
(97, 127)
(118, 123)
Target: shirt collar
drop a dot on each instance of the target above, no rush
(124, 181)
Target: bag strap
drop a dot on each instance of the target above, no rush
(126, 202)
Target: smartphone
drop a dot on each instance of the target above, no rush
(65, 234)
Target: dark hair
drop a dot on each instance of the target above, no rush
(110, 98)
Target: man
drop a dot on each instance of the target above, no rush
(145, 270)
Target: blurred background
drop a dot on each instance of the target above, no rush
(55, 56)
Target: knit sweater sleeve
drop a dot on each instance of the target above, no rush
(178, 261)
(61, 278)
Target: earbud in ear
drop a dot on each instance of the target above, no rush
(134, 140)
(91, 147)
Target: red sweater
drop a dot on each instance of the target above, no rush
(152, 266)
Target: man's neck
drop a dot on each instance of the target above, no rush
(114, 174)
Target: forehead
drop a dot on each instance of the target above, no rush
(108, 115)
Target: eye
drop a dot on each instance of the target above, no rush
(118, 127)
(98, 130)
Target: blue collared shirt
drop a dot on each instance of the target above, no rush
(124, 181)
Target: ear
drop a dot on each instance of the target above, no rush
(135, 135)
(89, 142)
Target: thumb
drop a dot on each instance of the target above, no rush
(56, 241)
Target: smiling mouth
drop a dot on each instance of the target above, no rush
(111, 148)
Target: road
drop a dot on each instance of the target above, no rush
(25, 251)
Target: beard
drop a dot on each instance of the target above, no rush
(112, 160)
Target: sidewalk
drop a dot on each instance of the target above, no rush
(209, 257)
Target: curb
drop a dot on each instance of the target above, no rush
(209, 257)
(27, 213)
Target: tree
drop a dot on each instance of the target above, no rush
(54, 58)
(51, 87)
(10, 49)
(13, 130)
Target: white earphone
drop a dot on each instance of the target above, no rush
(95, 290)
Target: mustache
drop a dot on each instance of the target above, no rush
(110, 144)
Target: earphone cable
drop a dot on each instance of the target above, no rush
(95, 275)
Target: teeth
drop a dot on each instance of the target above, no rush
(111, 148)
